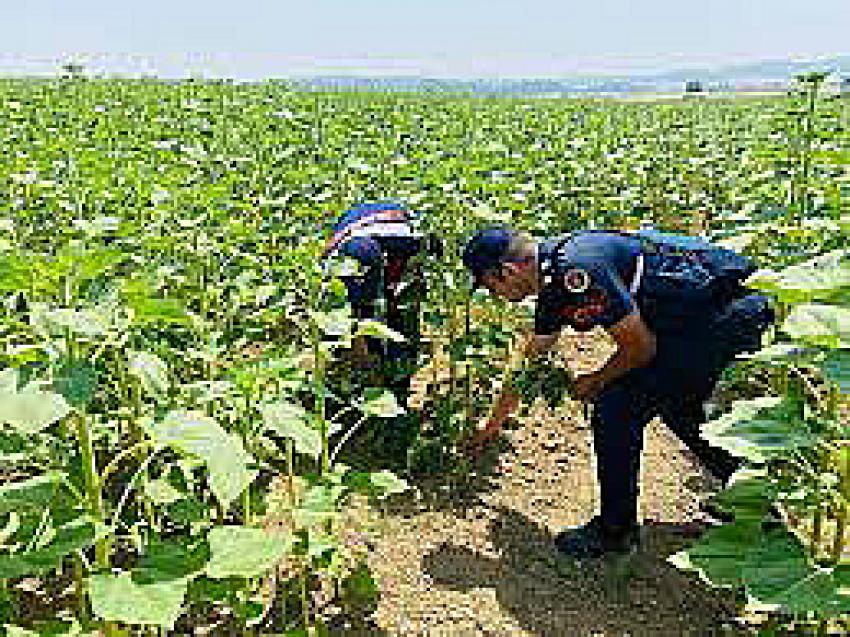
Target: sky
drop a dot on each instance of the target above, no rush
(255, 39)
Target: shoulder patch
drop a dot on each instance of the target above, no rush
(576, 280)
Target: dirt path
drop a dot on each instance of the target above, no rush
(477, 559)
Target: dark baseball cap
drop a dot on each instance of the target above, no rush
(486, 250)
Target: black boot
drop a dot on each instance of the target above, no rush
(592, 541)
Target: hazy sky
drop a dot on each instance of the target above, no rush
(543, 38)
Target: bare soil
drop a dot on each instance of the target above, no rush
(476, 557)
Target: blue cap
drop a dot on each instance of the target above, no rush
(486, 250)
(365, 249)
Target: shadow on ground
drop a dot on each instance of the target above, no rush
(549, 594)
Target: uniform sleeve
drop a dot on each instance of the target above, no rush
(583, 296)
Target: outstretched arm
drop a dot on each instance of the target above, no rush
(508, 400)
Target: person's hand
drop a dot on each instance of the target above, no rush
(587, 387)
(482, 438)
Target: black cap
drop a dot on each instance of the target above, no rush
(486, 250)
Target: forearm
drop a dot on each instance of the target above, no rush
(622, 362)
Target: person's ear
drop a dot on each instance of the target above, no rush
(511, 268)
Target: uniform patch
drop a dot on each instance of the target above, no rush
(576, 280)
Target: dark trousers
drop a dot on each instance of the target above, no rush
(674, 386)
(619, 416)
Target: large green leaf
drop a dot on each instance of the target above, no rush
(292, 421)
(823, 591)
(118, 598)
(720, 555)
(818, 279)
(777, 564)
(43, 524)
(197, 434)
(241, 551)
(760, 428)
(30, 410)
(747, 498)
(820, 325)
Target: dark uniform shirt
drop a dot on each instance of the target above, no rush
(585, 281)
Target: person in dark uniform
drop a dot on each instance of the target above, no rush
(382, 237)
(679, 313)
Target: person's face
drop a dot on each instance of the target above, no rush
(514, 281)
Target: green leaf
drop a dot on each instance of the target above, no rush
(376, 329)
(781, 352)
(199, 435)
(320, 503)
(171, 559)
(824, 591)
(335, 322)
(76, 381)
(241, 551)
(818, 279)
(160, 491)
(31, 411)
(760, 428)
(777, 564)
(44, 524)
(151, 371)
(720, 555)
(381, 403)
(820, 325)
(292, 421)
(85, 322)
(387, 483)
(748, 499)
(117, 598)
(148, 308)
